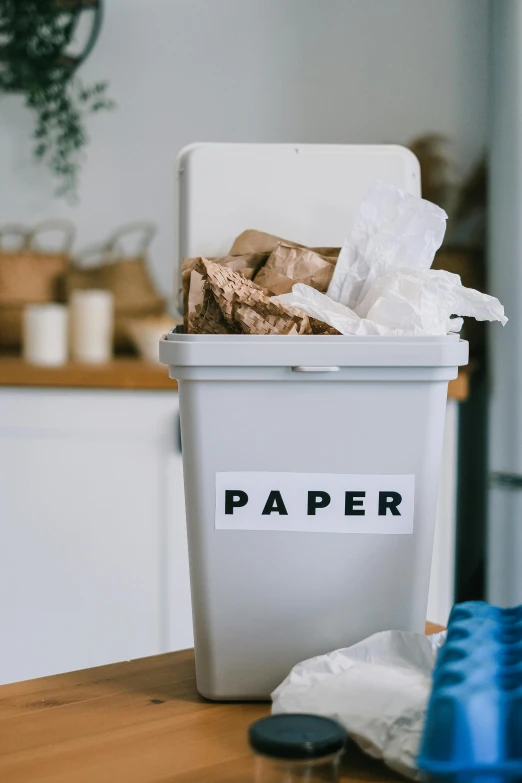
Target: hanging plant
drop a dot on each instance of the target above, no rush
(35, 39)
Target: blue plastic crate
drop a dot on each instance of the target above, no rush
(473, 729)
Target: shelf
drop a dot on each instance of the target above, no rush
(121, 373)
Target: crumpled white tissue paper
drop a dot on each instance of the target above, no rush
(377, 689)
(393, 229)
(425, 300)
(382, 283)
(318, 305)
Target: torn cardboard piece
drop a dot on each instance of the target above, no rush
(247, 265)
(203, 315)
(245, 306)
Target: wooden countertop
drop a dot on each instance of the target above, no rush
(123, 373)
(140, 721)
(120, 373)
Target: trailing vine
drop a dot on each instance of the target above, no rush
(34, 37)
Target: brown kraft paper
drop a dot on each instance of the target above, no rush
(247, 265)
(288, 265)
(247, 308)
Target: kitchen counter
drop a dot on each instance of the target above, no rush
(140, 720)
(120, 373)
(124, 373)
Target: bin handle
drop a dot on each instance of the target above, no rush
(305, 368)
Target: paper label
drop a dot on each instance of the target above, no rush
(315, 502)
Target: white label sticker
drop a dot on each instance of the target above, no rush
(315, 502)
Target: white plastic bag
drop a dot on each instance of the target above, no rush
(377, 689)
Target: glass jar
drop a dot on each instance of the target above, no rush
(295, 748)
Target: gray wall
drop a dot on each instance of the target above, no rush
(252, 70)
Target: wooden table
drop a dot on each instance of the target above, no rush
(134, 722)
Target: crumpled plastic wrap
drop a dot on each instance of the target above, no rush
(377, 689)
(393, 229)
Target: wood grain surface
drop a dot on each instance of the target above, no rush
(124, 373)
(121, 373)
(134, 722)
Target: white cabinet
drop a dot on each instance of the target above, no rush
(93, 550)
(93, 554)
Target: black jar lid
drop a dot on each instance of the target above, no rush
(296, 736)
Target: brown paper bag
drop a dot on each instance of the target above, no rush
(252, 241)
(247, 264)
(330, 254)
(274, 264)
(288, 265)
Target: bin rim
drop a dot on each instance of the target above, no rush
(210, 350)
(174, 336)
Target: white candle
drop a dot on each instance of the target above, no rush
(45, 334)
(92, 325)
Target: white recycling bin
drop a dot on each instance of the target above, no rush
(311, 467)
(311, 479)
